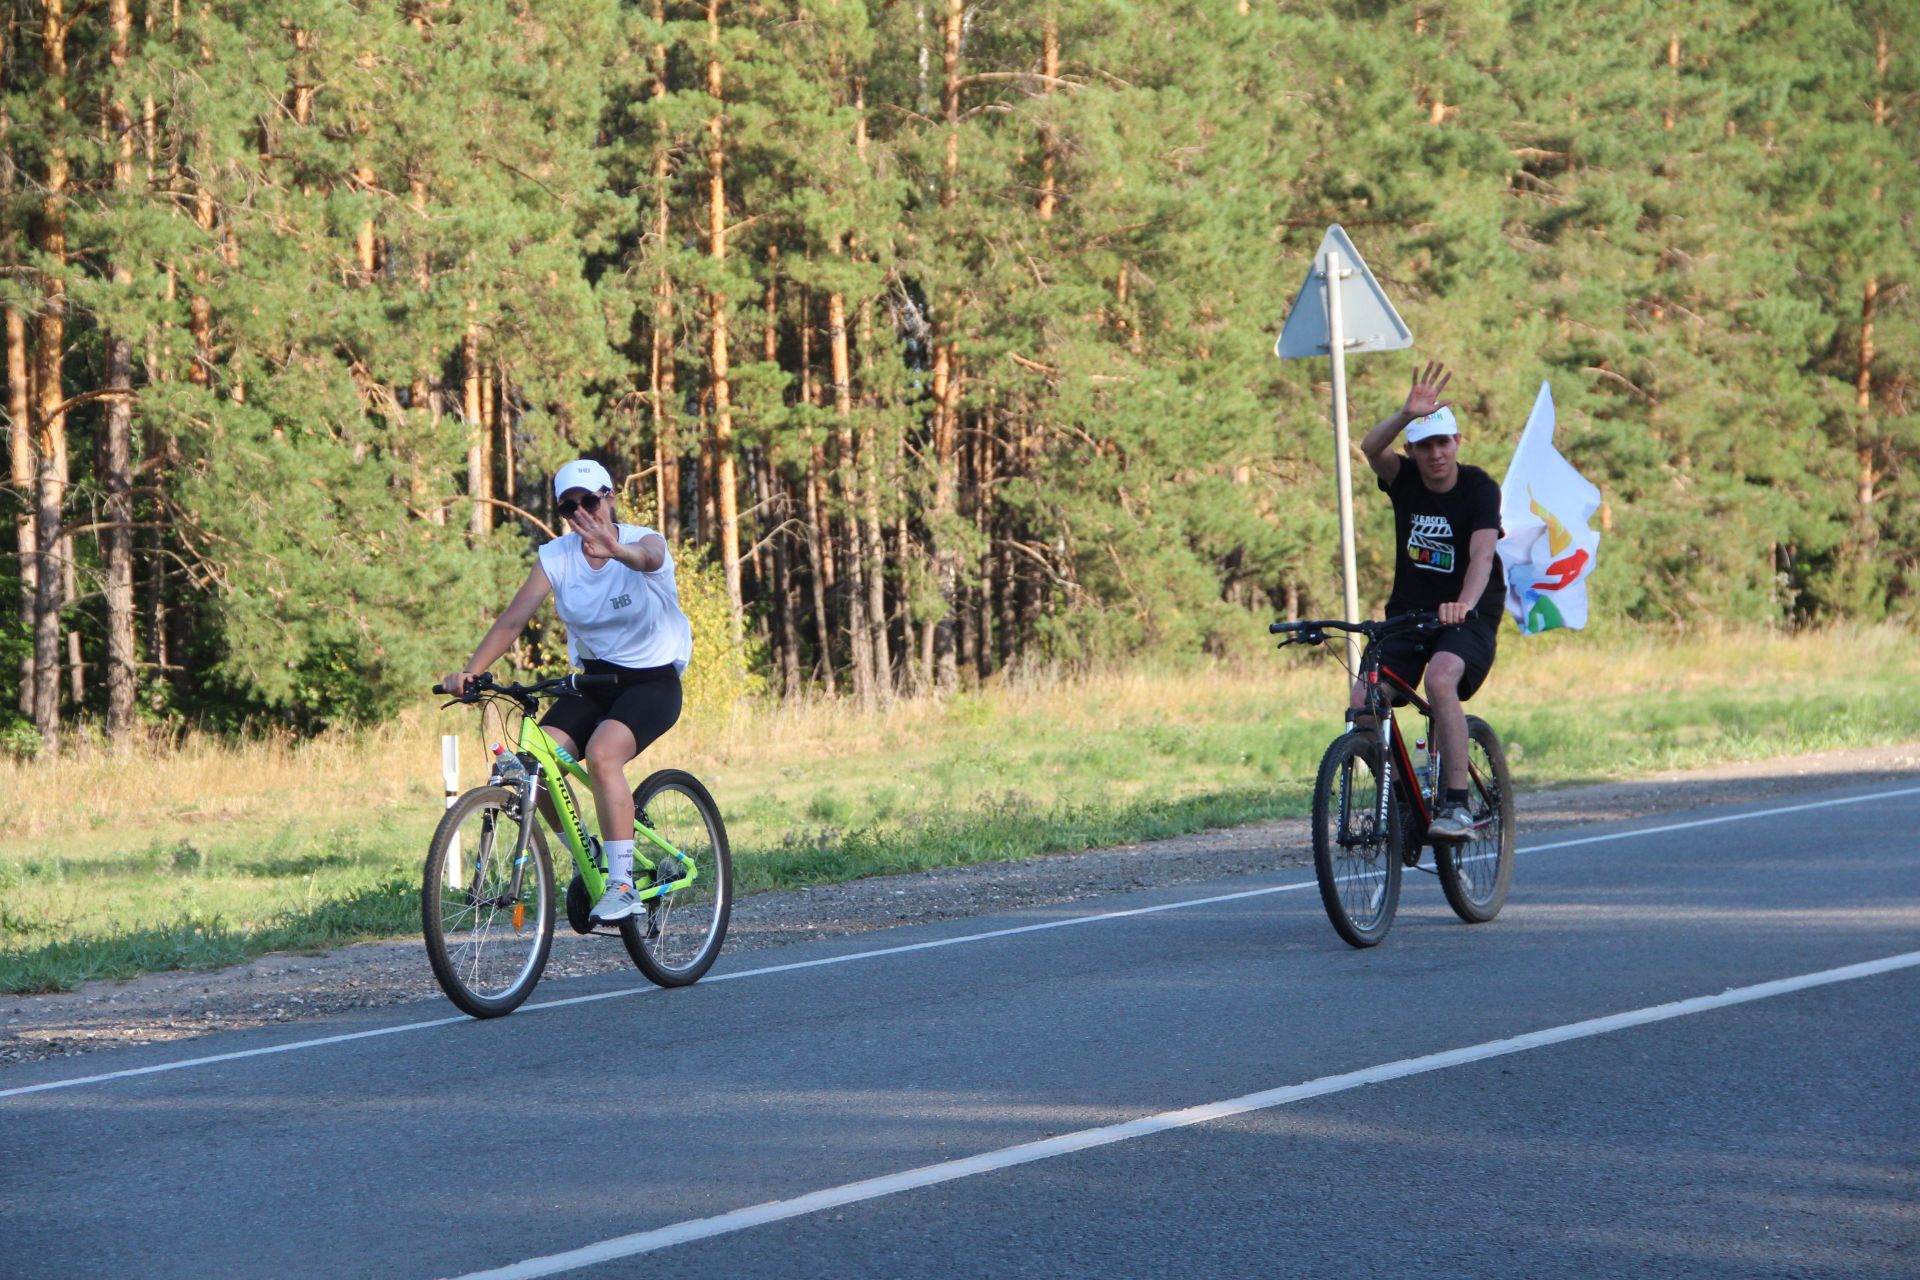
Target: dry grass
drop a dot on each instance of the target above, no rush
(161, 787)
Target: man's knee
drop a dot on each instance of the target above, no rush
(1444, 674)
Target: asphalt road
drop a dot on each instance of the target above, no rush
(1472, 1105)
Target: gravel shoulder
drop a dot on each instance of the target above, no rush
(285, 988)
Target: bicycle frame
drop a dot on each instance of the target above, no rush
(1396, 744)
(550, 766)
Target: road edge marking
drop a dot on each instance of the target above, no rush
(880, 952)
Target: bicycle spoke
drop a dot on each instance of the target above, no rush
(1476, 873)
(487, 934)
(676, 938)
(1360, 847)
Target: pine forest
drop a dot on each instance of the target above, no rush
(935, 335)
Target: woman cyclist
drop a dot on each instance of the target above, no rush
(613, 587)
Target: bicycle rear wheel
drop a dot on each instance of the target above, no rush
(678, 937)
(1356, 861)
(1476, 874)
(487, 936)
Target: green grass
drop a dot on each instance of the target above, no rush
(206, 854)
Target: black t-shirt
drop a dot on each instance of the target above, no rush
(1431, 536)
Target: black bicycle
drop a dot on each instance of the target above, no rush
(1372, 804)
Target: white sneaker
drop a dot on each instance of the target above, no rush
(1452, 824)
(619, 902)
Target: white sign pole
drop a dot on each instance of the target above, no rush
(450, 780)
(1332, 275)
(1349, 295)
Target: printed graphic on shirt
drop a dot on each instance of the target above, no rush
(621, 601)
(1430, 543)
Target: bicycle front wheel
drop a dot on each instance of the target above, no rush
(488, 918)
(678, 937)
(1476, 874)
(1355, 858)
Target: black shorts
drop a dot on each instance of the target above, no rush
(646, 700)
(1472, 641)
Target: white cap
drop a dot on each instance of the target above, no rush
(1438, 423)
(581, 473)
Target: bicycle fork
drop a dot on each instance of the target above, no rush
(529, 797)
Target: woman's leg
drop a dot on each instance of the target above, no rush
(608, 751)
(639, 715)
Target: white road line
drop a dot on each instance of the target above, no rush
(627, 992)
(1712, 822)
(877, 953)
(1068, 1143)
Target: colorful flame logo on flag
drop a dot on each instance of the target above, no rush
(1562, 571)
(1546, 545)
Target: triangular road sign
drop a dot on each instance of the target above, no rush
(1368, 321)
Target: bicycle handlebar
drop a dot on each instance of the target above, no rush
(572, 682)
(1315, 631)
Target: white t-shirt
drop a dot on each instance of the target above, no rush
(614, 613)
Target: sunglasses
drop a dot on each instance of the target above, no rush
(588, 504)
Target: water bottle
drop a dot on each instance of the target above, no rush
(1422, 765)
(507, 769)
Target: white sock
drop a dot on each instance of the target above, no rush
(619, 861)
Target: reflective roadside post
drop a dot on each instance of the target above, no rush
(450, 781)
(1340, 296)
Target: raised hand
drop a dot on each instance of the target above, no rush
(1428, 383)
(598, 536)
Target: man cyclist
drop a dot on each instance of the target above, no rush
(1446, 527)
(613, 587)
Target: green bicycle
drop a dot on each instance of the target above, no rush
(487, 896)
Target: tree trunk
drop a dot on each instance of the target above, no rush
(76, 661)
(859, 635)
(872, 545)
(726, 494)
(199, 309)
(942, 665)
(660, 342)
(786, 630)
(48, 417)
(499, 448)
(22, 468)
(983, 520)
(479, 438)
(364, 253)
(819, 548)
(1864, 443)
(117, 470)
(818, 562)
(875, 543)
(946, 379)
(1673, 70)
(1049, 145)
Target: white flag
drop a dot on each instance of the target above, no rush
(1545, 545)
